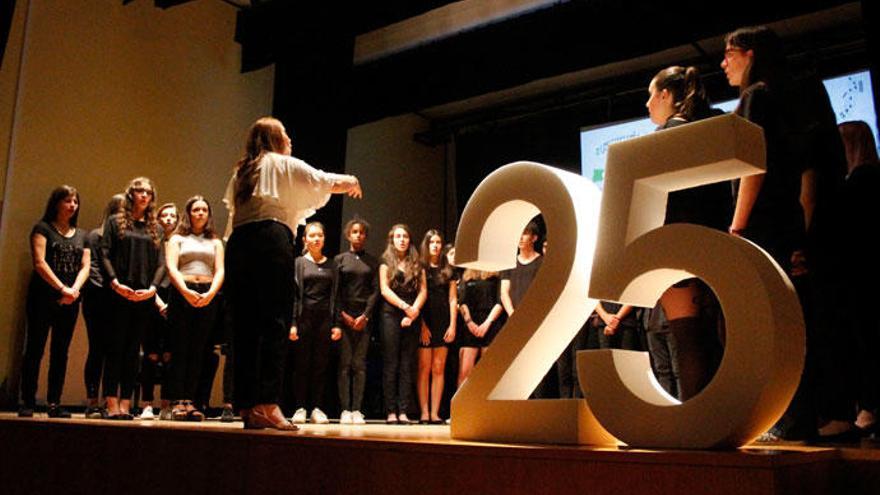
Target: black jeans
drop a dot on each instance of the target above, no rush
(311, 353)
(131, 321)
(190, 329)
(260, 286)
(399, 348)
(97, 312)
(353, 367)
(44, 313)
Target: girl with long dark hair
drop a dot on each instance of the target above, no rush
(194, 258)
(403, 285)
(268, 196)
(61, 267)
(438, 325)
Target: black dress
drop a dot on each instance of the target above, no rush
(480, 296)
(436, 311)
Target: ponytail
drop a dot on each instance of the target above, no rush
(687, 90)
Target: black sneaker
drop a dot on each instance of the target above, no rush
(26, 412)
(94, 413)
(56, 411)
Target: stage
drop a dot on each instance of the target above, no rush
(102, 457)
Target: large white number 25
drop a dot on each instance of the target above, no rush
(630, 257)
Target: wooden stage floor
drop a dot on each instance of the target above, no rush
(42, 455)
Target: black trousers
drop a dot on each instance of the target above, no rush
(260, 286)
(45, 314)
(131, 320)
(190, 329)
(399, 348)
(311, 353)
(353, 367)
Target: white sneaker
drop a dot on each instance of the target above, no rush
(345, 418)
(357, 418)
(318, 417)
(147, 413)
(299, 417)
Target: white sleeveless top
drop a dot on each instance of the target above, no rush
(196, 255)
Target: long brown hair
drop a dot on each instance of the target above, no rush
(265, 135)
(442, 262)
(412, 272)
(858, 142)
(688, 93)
(768, 63)
(124, 218)
(184, 222)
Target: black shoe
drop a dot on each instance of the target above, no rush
(26, 412)
(56, 411)
(94, 412)
(227, 416)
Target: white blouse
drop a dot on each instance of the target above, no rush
(288, 190)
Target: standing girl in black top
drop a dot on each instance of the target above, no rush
(61, 267)
(194, 257)
(96, 312)
(130, 251)
(677, 97)
(438, 328)
(316, 279)
(403, 285)
(356, 298)
(481, 311)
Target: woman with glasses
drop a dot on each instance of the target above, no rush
(130, 252)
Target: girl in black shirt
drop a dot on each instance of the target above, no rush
(61, 267)
(316, 279)
(438, 327)
(403, 285)
(96, 312)
(130, 251)
(481, 311)
(355, 301)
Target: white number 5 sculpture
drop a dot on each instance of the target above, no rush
(636, 259)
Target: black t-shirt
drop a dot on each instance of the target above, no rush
(521, 278)
(776, 222)
(406, 290)
(96, 268)
(358, 283)
(63, 254)
(133, 259)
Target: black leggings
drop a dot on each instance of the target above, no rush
(190, 328)
(311, 354)
(130, 322)
(260, 285)
(97, 313)
(43, 313)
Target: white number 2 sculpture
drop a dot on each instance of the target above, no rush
(628, 256)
